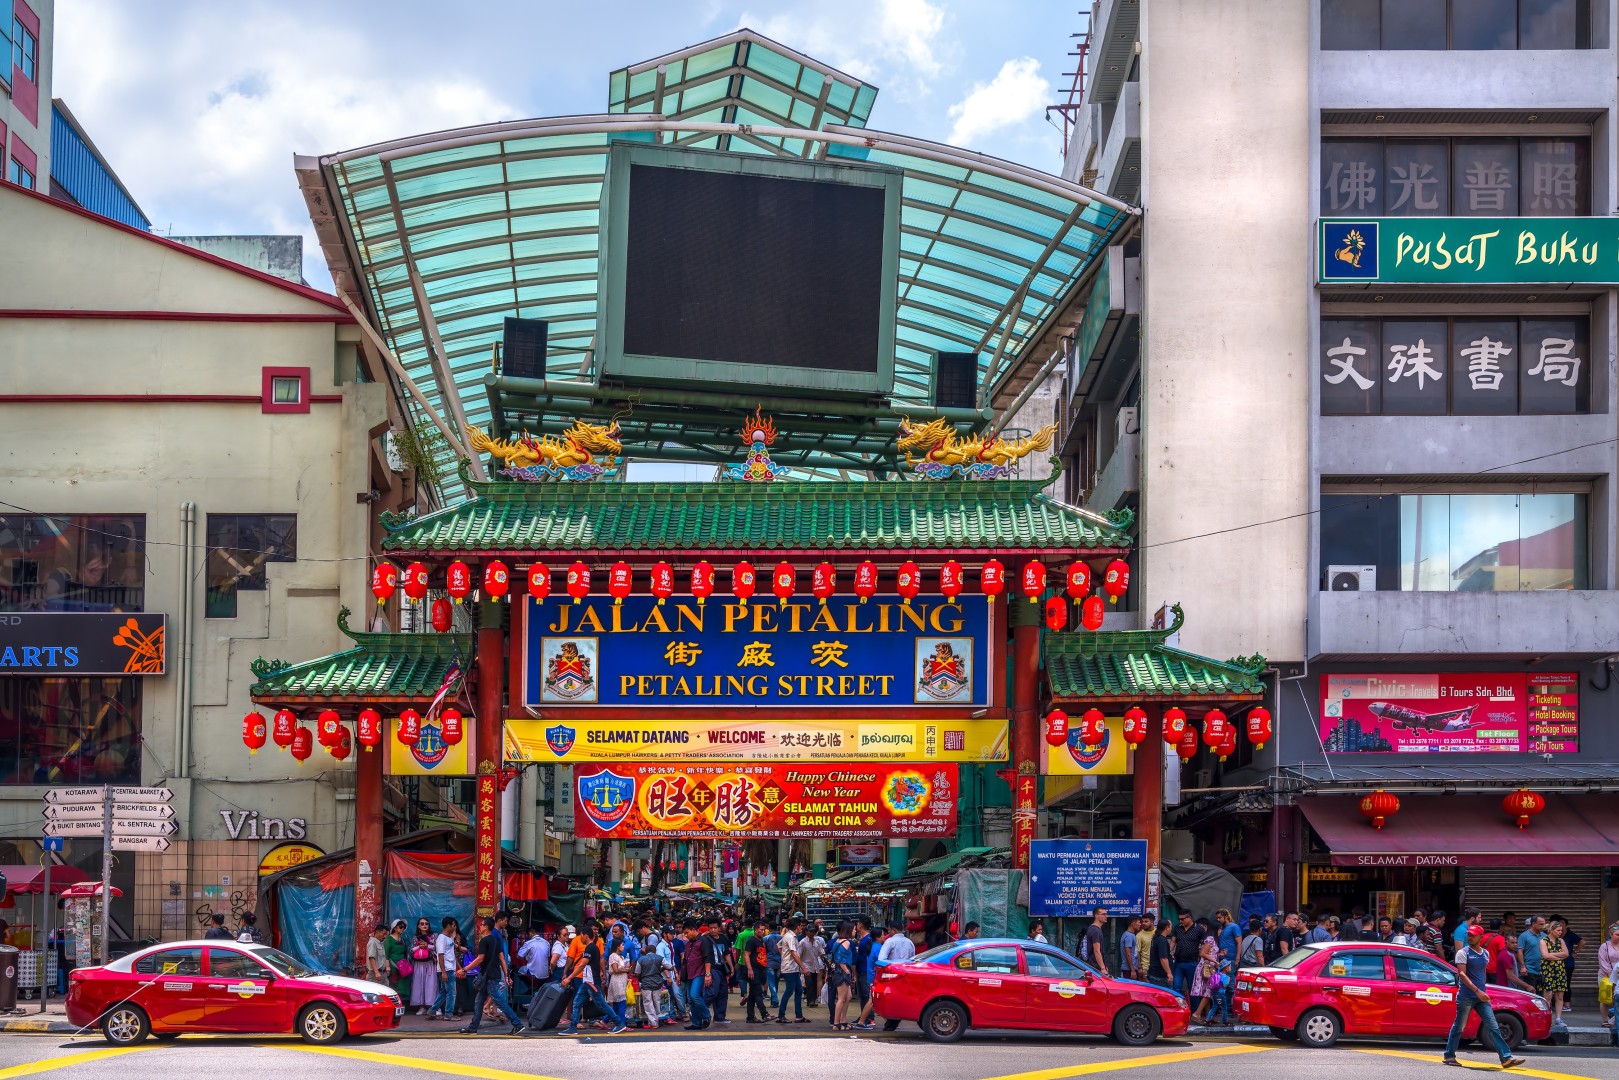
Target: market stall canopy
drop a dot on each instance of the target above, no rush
(1139, 666)
(381, 668)
(30, 879)
(1468, 830)
(84, 890)
(443, 235)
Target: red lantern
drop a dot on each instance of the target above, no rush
(368, 728)
(286, 726)
(1079, 580)
(1092, 728)
(619, 581)
(784, 582)
(458, 581)
(253, 725)
(992, 579)
(416, 581)
(1228, 744)
(1056, 613)
(1091, 613)
(303, 744)
(578, 581)
(1523, 804)
(1259, 727)
(329, 727)
(1187, 747)
(951, 580)
(497, 580)
(742, 581)
(1116, 582)
(1057, 727)
(1034, 580)
(410, 727)
(441, 615)
(1378, 807)
(450, 726)
(539, 581)
(910, 581)
(702, 582)
(384, 579)
(342, 747)
(1215, 728)
(663, 581)
(865, 580)
(824, 582)
(1135, 726)
(1174, 725)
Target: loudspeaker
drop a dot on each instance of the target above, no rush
(955, 380)
(522, 350)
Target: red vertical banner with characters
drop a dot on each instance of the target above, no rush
(1025, 814)
(487, 817)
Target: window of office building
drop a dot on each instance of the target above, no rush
(20, 174)
(24, 50)
(1472, 25)
(1463, 176)
(70, 731)
(1486, 541)
(72, 562)
(239, 547)
(1485, 365)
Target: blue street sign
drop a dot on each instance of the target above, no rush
(1071, 878)
(52, 843)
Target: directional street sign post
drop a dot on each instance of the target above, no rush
(126, 819)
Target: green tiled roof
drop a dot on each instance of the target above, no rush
(1136, 665)
(897, 515)
(380, 667)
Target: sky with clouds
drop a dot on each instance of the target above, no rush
(200, 105)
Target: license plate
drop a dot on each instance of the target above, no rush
(1244, 1006)
(1242, 984)
(400, 1011)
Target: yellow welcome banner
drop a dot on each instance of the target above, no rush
(765, 740)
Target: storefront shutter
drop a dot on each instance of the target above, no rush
(1575, 894)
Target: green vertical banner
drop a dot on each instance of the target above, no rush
(1468, 251)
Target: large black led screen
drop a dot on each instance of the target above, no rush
(749, 269)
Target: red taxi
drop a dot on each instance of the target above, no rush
(1317, 993)
(224, 986)
(1007, 983)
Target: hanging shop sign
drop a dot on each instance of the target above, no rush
(285, 856)
(57, 643)
(794, 801)
(1072, 757)
(1479, 712)
(430, 755)
(1469, 250)
(486, 817)
(816, 739)
(1072, 878)
(793, 654)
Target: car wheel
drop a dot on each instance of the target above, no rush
(322, 1023)
(1284, 1033)
(1137, 1025)
(1512, 1030)
(1319, 1028)
(125, 1025)
(944, 1021)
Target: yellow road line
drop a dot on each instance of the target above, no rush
(453, 1068)
(1521, 1070)
(47, 1064)
(1136, 1063)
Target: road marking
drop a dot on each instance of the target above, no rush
(1521, 1070)
(47, 1064)
(1135, 1063)
(453, 1068)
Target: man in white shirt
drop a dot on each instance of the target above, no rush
(536, 956)
(897, 948)
(792, 972)
(445, 960)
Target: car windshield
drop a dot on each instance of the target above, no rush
(934, 953)
(284, 963)
(1295, 956)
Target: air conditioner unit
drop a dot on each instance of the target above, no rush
(1203, 779)
(1125, 423)
(1351, 579)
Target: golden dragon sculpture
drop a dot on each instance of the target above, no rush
(578, 450)
(945, 453)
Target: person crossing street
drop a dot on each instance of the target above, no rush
(1471, 962)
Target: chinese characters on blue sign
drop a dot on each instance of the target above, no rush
(928, 653)
(1072, 878)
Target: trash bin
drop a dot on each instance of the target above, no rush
(8, 977)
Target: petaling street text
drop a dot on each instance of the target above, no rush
(765, 618)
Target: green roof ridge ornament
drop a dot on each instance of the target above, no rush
(343, 623)
(1254, 663)
(267, 669)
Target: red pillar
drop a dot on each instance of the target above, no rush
(367, 847)
(1025, 726)
(490, 750)
(1147, 809)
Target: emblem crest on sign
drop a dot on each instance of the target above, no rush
(943, 673)
(559, 737)
(569, 672)
(606, 798)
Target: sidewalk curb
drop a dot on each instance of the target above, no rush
(40, 1026)
(1577, 1036)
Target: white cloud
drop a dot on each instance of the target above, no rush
(1016, 94)
(895, 44)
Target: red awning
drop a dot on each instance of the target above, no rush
(28, 878)
(1469, 830)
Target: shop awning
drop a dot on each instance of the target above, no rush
(1469, 830)
(28, 878)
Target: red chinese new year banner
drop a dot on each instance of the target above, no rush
(654, 799)
(488, 834)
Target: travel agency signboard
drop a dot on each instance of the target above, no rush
(1454, 712)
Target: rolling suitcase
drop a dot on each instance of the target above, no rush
(548, 1005)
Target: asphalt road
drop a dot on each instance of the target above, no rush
(807, 1056)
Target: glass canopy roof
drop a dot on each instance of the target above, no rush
(441, 236)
